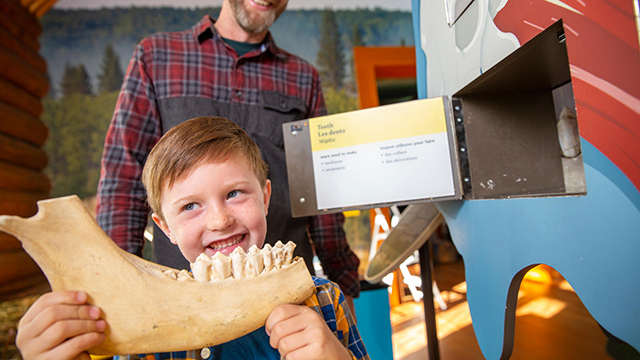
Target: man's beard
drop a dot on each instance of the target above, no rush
(255, 24)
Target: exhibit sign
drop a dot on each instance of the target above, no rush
(404, 148)
(389, 154)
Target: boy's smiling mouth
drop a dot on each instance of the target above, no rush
(226, 244)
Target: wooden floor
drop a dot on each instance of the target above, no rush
(551, 323)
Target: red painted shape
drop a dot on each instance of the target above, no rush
(602, 42)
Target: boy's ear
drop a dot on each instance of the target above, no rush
(163, 226)
(266, 191)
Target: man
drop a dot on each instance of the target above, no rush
(229, 67)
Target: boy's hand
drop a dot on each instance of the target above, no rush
(299, 333)
(59, 326)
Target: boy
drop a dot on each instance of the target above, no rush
(206, 184)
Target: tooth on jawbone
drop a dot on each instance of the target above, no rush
(171, 274)
(238, 258)
(277, 254)
(221, 267)
(266, 257)
(254, 265)
(288, 252)
(184, 275)
(201, 269)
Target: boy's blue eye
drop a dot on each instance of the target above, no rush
(189, 206)
(233, 194)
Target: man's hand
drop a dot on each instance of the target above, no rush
(299, 333)
(60, 326)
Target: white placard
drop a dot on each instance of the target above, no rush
(388, 154)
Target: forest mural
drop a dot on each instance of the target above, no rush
(87, 52)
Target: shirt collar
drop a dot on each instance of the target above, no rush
(204, 30)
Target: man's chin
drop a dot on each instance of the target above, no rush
(257, 27)
(255, 23)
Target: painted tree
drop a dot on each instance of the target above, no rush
(356, 36)
(356, 40)
(330, 58)
(110, 76)
(75, 80)
(77, 127)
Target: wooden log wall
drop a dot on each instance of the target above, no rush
(23, 82)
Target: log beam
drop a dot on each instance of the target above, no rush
(25, 32)
(20, 203)
(21, 153)
(14, 177)
(28, 22)
(22, 125)
(9, 41)
(18, 71)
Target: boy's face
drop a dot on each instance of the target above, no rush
(218, 207)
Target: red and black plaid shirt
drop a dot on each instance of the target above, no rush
(176, 72)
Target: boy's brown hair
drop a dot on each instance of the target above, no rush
(206, 139)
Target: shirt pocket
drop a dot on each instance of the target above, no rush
(277, 109)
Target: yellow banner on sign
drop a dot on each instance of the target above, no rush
(389, 122)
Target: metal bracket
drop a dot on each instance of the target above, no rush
(463, 155)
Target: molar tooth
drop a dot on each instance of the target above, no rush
(288, 252)
(278, 257)
(254, 264)
(184, 275)
(221, 267)
(267, 257)
(157, 272)
(201, 269)
(238, 259)
(171, 274)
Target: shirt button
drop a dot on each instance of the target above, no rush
(205, 353)
(238, 93)
(284, 106)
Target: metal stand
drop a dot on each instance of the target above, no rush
(427, 300)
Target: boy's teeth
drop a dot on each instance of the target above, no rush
(224, 244)
(261, 2)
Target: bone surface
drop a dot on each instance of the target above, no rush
(146, 306)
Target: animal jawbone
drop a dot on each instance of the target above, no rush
(147, 309)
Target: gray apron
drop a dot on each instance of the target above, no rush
(263, 123)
